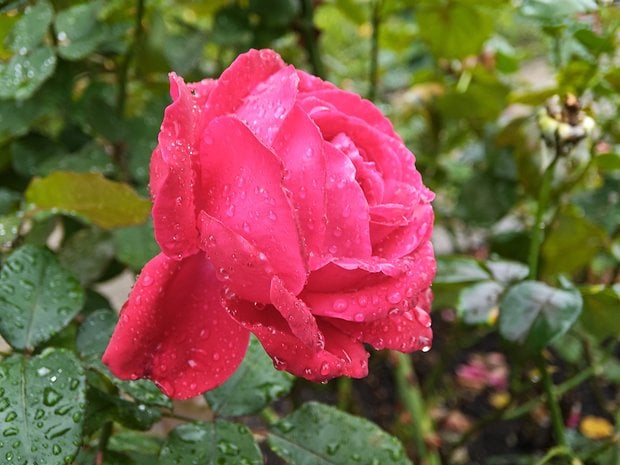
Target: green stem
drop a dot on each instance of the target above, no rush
(106, 432)
(373, 72)
(411, 397)
(310, 39)
(269, 415)
(555, 452)
(123, 70)
(552, 402)
(539, 225)
(344, 388)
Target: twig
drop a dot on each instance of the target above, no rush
(310, 39)
(373, 72)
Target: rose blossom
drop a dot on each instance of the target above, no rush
(284, 207)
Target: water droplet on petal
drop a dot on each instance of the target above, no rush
(147, 280)
(394, 297)
(340, 305)
(325, 368)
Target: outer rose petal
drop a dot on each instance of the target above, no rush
(388, 287)
(404, 240)
(342, 355)
(174, 330)
(242, 188)
(405, 332)
(239, 79)
(173, 172)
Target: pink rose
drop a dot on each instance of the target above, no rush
(284, 207)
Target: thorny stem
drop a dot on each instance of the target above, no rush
(373, 72)
(310, 39)
(411, 397)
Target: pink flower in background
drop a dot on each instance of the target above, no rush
(284, 207)
(482, 371)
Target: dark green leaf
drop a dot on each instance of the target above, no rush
(131, 441)
(24, 74)
(317, 434)
(534, 313)
(136, 245)
(87, 253)
(9, 229)
(478, 304)
(608, 161)
(94, 334)
(9, 201)
(32, 27)
(106, 203)
(37, 297)
(601, 311)
(102, 407)
(78, 31)
(253, 386)
(220, 443)
(42, 406)
(459, 270)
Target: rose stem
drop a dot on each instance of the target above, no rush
(310, 39)
(373, 72)
(409, 392)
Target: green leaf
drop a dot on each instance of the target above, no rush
(37, 297)
(454, 29)
(9, 229)
(534, 313)
(317, 434)
(608, 161)
(136, 245)
(507, 272)
(253, 386)
(478, 304)
(24, 74)
(87, 253)
(78, 31)
(106, 203)
(571, 243)
(42, 407)
(102, 407)
(553, 12)
(459, 270)
(601, 311)
(220, 443)
(32, 27)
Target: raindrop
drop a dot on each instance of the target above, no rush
(192, 363)
(325, 369)
(56, 450)
(43, 371)
(11, 416)
(423, 317)
(147, 280)
(279, 364)
(359, 317)
(10, 432)
(246, 227)
(340, 305)
(332, 249)
(51, 397)
(39, 414)
(230, 211)
(73, 384)
(272, 215)
(362, 300)
(394, 297)
(333, 448)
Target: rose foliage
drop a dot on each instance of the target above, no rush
(284, 207)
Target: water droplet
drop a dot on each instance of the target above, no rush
(272, 215)
(332, 249)
(394, 297)
(73, 384)
(216, 356)
(340, 305)
(51, 397)
(12, 431)
(192, 363)
(279, 364)
(359, 317)
(422, 316)
(39, 414)
(230, 211)
(325, 368)
(333, 448)
(9, 456)
(147, 280)
(10, 416)
(56, 450)
(43, 371)
(246, 227)
(362, 300)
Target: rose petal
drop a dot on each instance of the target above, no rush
(310, 83)
(391, 242)
(173, 171)
(297, 315)
(174, 330)
(342, 355)
(265, 108)
(240, 266)
(242, 188)
(239, 79)
(389, 285)
(406, 332)
(353, 105)
(347, 232)
(300, 147)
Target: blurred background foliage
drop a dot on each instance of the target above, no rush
(511, 108)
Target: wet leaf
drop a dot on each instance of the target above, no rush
(42, 406)
(106, 203)
(459, 270)
(253, 386)
(220, 443)
(317, 434)
(32, 27)
(78, 31)
(478, 304)
(37, 297)
(507, 272)
(552, 12)
(24, 74)
(9, 228)
(534, 314)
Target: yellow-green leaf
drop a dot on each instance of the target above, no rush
(108, 204)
